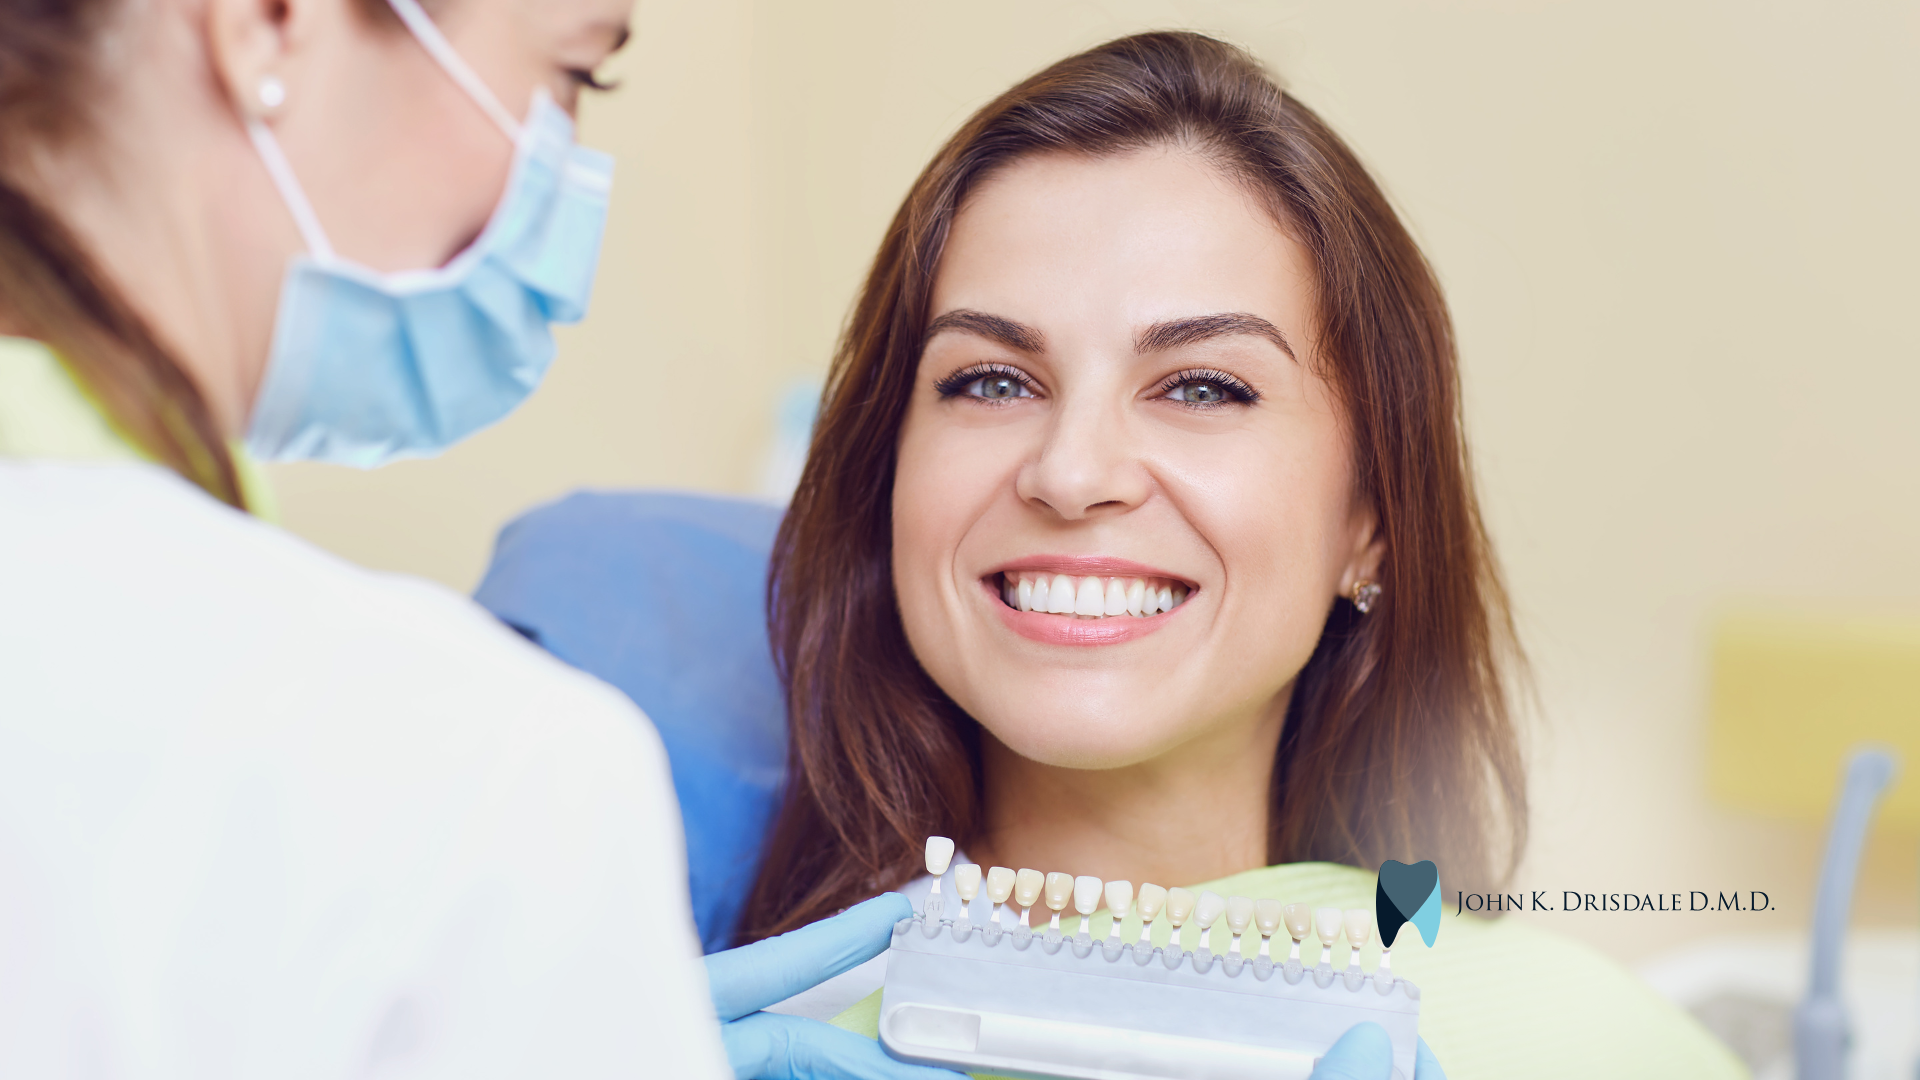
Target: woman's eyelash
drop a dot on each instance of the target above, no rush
(1236, 388)
(590, 81)
(960, 380)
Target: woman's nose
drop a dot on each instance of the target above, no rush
(1088, 466)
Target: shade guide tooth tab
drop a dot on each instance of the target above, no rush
(1179, 909)
(1086, 895)
(985, 1004)
(1150, 900)
(1267, 915)
(939, 855)
(1026, 892)
(966, 881)
(1119, 897)
(1327, 923)
(1205, 913)
(1057, 893)
(1239, 919)
(1359, 926)
(966, 885)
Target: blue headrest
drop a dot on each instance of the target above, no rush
(664, 596)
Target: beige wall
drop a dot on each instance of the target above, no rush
(1680, 242)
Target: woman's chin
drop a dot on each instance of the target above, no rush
(1075, 740)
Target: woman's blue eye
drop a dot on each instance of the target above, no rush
(997, 388)
(1205, 388)
(1200, 393)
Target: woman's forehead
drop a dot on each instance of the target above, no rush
(1140, 237)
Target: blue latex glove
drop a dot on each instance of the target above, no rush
(1364, 1053)
(770, 1046)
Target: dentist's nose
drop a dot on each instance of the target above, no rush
(1087, 467)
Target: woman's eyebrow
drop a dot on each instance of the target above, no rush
(1014, 335)
(1173, 333)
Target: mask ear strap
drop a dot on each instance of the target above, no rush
(291, 192)
(442, 51)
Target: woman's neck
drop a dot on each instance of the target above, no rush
(1193, 814)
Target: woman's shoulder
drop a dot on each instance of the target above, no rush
(1505, 997)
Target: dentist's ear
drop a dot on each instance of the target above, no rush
(251, 44)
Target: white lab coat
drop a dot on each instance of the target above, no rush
(267, 814)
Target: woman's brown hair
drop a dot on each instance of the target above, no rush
(1398, 741)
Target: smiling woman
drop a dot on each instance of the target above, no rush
(1138, 542)
(1146, 378)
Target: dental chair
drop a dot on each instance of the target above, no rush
(663, 595)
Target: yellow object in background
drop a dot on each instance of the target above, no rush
(1792, 695)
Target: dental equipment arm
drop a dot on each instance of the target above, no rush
(771, 1046)
(1820, 1025)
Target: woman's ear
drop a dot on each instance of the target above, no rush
(251, 45)
(1368, 552)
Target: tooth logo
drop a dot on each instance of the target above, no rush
(1407, 894)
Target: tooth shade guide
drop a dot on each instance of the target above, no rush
(1064, 1012)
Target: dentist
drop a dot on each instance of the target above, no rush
(263, 813)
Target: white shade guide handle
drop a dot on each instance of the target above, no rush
(999, 884)
(966, 881)
(939, 855)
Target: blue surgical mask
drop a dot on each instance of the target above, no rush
(367, 366)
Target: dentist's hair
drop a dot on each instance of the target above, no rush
(1399, 740)
(51, 287)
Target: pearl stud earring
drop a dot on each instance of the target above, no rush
(1365, 593)
(273, 92)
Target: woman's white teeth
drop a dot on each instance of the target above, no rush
(1061, 596)
(1091, 597)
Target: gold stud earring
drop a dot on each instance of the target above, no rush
(1365, 593)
